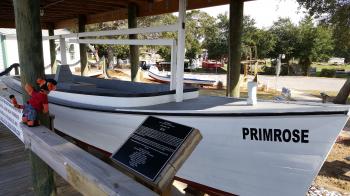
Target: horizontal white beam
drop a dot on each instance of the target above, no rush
(159, 29)
(137, 42)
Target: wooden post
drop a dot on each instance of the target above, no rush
(236, 26)
(173, 66)
(134, 50)
(63, 51)
(27, 16)
(181, 51)
(52, 48)
(3, 50)
(82, 47)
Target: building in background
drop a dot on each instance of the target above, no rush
(9, 50)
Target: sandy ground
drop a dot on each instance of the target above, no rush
(300, 83)
(335, 172)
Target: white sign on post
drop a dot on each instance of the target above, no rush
(11, 117)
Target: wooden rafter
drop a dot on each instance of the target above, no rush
(63, 13)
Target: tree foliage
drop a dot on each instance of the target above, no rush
(337, 14)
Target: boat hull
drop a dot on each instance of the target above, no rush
(227, 158)
(187, 80)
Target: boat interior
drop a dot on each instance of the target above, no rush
(67, 82)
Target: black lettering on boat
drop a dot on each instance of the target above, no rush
(276, 135)
(296, 136)
(245, 132)
(259, 134)
(253, 134)
(287, 135)
(304, 136)
(267, 134)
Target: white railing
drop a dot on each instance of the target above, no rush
(177, 52)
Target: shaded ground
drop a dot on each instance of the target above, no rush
(15, 169)
(335, 173)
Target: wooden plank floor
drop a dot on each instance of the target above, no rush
(15, 170)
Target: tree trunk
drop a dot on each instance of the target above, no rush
(343, 94)
(110, 58)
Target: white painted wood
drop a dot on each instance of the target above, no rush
(119, 101)
(188, 78)
(154, 42)
(63, 51)
(158, 29)
(173, 66)
(223, 160)
(181, 50)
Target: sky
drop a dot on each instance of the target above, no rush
(265, 12)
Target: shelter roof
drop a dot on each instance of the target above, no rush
(65, 13)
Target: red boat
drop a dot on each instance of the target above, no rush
(211, 64)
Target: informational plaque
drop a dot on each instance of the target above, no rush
(11, 117)
(151, 146)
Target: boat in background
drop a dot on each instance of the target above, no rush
(272, 148)
(208, 64)
(164, 77)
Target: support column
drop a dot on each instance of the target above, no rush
(236, 26)
(63, 51)
(181, 51)
(52, 48)
(3, 49)
(173, 66)
(30, 53)
(82, 47)
(134, 50)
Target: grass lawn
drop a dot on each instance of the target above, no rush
(320, 66)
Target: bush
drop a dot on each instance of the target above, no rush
(330, 73)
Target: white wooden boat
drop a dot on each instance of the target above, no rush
(165, 77)
(271, 148)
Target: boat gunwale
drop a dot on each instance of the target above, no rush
(208, 114)
(74, 105)
(113, 94)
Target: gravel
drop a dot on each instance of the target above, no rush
(315, 190)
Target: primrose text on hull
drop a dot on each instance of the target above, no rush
(276, 135)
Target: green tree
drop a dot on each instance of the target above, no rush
(198, 24)
(216, 38)
(337, 15)
(305, 49)
(286, 34)
(265, 42)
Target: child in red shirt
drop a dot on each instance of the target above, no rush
(38, 101)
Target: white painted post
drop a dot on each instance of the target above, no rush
(63, 51)
(181, 51)
(173, 66)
